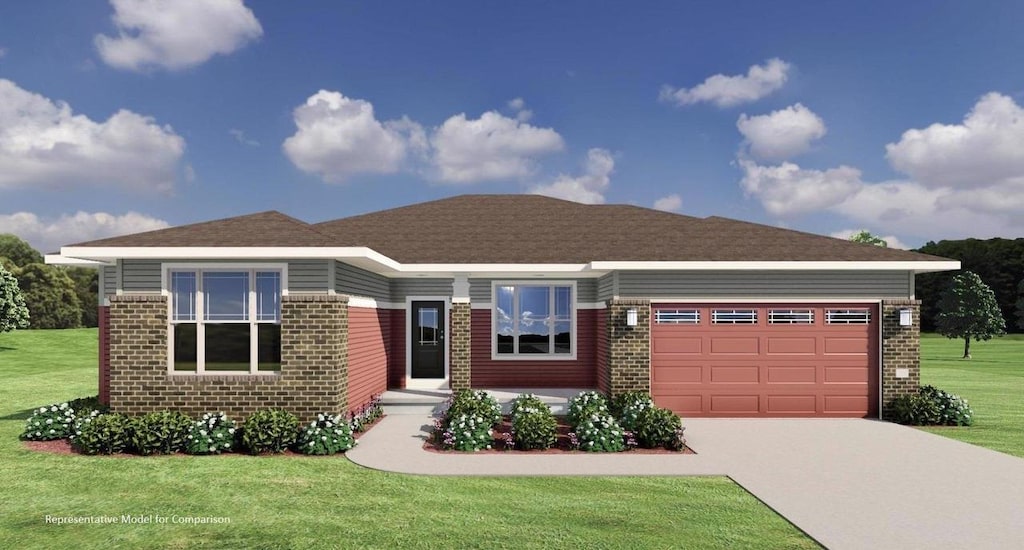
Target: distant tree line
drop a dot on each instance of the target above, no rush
(56, 296)
(999, 263)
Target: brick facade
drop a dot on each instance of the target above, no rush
(627, 363)
(901, 349)
(314, 363)
(459, 343)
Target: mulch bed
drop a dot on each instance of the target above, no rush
(63, 447)
(562, 445)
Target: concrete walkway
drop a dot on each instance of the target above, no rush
(847, 483)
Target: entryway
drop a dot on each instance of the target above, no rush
(427, 344)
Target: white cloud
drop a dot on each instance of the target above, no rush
(518, 105)
(670, 203)
(787, 189)
(985, 149)
(728, 91)
(890, 240)
(175, 34)
(240, 137)
(587, 188)
(492, 147)
(339, 136)
(781, 134)
(44, 144)
(49, 235)
(3, 52)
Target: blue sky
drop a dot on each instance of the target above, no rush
(903, 118)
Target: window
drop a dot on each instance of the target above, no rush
(225, 320)
(677, 316)
(734, 316)
(848, 316)
(791, 317)
(533, 320)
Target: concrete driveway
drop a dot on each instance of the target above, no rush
(870, 484)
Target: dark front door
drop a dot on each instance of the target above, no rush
(427, 339)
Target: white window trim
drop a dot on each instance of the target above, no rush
(198, 268)
(515, 355)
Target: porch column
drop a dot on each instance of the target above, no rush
(901, 351)
(459, 345)
(628, 366)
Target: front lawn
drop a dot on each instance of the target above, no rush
(278, 502)
(992, 381)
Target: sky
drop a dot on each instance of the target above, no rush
(902, 118)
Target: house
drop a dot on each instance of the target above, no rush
(715, 317)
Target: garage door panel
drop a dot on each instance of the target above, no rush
(846, 404)
(721, 374)
(678, 373)
(686, 405)
(792, 375)
(778, 345)
(792, 404)
(846, 375)
(841, 345)
(735, 404)
(677, 344)
(723, 345)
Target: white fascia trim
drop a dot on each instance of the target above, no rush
(57, 259)
(917, 267)
(491, 270)
(772, 300)
(373, 303)
(104, 253)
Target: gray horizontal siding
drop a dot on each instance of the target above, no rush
(767, 284)
(606, 287)
(309, 275)
(144, 275)
(109, 274)
(349, 279)
(480, 290)
(140, 275)
(402, 288)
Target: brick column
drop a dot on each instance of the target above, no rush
(459, 346)
(314, 353)
(628, 364)
(901, 349)
(137, 340)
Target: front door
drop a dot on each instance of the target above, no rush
(427, 339)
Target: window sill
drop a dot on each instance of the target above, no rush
(224, 375)
(538, 357)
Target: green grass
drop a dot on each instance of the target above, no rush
(992, 381)
(325, 502)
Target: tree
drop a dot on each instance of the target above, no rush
(18, 251)
(13, 313)
(1020, 305)
(50, 296)
(864, 236)
(968, 309)
(87, 288)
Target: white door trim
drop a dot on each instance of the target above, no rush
(426, 383)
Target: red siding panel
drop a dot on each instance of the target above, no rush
(396, 360)
(104, 353)
(369, 339)
(603, 383)
(578, 373)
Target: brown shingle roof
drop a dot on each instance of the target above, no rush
(523, 229)
(269, 228)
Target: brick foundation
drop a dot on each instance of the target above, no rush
(460, 346)
(628, 361)
(901, 349)
(314, 363)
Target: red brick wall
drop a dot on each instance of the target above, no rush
(603, 383)
(578, 373)
(369, 344)
(104, 353)
(396, 359)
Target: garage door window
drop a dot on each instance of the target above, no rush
(848, 316)
(734, 316)
(677, 317)
(791, 316)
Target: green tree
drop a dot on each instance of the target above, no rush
(1020, 305)
(968, 309)
(50, 296)
(13, 313)
(18, 251)
(87, 288)
(865, 236)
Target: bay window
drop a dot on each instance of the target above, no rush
(225, 320)
(534, 321)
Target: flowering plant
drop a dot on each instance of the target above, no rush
(328, 434)
(533, 424)
(585, 404)
(467, 432)
(50, 422)
(474, 403)
(103, 434)
(600, 433)
(657, 427)
(628, 406)
(526, 402)
(367, 414)
(214, 433)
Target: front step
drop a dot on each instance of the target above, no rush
(429, 402)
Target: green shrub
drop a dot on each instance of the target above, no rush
(931, 406)
(475, 404)
(467, 432)
(49, 422)
(269, 431)
(656, 427)
(212, 434)
(534, 427)
(627, 407)
(599, 433)
(367, 414)
(327, 435)
(84, 405)
(585, 404)
(953, 410)
(161, 432)
(104, 434)
(526, 402)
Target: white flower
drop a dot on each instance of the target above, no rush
(310, 443)
(49, 421)
(53, 431)
(54, 408)
(323, 438)
(202, 432)
(231, 430)
(42, 409)
(329, 424)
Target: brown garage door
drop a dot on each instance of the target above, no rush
(765, 359)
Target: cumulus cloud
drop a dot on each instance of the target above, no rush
(48, 235)
(44, 144)
(983, 150)
(787, 189)
(670, 203)
(518, 106)
(890, 240)
(587, 188)
(781, 134)
(492, 147)
(339, 136)
(175, 34)
(728, 91)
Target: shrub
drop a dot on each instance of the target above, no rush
(627, 407)
(657, 427)
(600, 433)
(84, 405)
(475, 404)
(367, 414)
(49, 422)
(931, 406)
(534, 427)
(467, 432)
(953, 410)
(104, 434)
(212, 434)
(526, 402)
(162, 432)
(585, 404)
(327, 435)
(269, 430)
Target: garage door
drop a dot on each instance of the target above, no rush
(765, 359)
